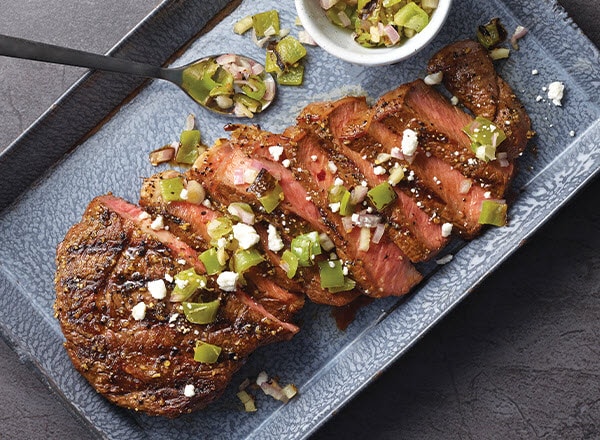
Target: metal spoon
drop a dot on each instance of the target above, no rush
(188, 77)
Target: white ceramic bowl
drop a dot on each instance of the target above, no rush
(339, 42)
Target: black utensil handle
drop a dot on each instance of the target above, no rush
(33, 50)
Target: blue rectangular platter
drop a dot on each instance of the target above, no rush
(93, 141)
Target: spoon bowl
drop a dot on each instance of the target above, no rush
(228, 84)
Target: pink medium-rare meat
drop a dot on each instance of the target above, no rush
(383, 269)
(340, 122)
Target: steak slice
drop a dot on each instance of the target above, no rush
(382, 270)
(469, 74)
(295, 215)
(271, 286)
(410, 227)
(103, 267)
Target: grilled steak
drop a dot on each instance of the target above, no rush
(123, 272)
(103, 267)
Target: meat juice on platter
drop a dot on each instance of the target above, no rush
(162, 303)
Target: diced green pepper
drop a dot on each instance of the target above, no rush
(493, 212)
(271, 64)
(412, 17)
(187, 152)
(485, 137)
(186, 284)
(244, 259)
(210, 259)
(346, 207)
(170, 189)
(265, 20)
(291, 263)
(255, 88)
(336, 193)
(206, 353)
(331, 273)
(197, 79)
(381, 195)
(290, 50)
(306, 247)
(219, 227)
(251, 104)
(272, 199)
(491, 34)
(201, 313)
(349, 284)
(293, 76)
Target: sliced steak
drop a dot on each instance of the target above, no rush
(382, 270)
(342, 123)
(295, 215)
(103, 267)
(191, 220)
(469, 74)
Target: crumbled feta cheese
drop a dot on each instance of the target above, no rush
(314, 157)
(538, 98)
(446, 229)
(411, 176)
(379, 170)
(335, 207)
(227, 281)
(487, 194)
(534, 72)
(445, 259)
(221, 242)
(274, 240)
(245, 235)
(206, 203)
(285, 163)
(276, 151)
(143, 215)
(168, 278)
(189, 390)
(555, 92)
(454, 100)
(182, 284)
(181, 261)
(572, 133)
(338, 182)
(332, 167)
(157, 289)
(331, 264)
(138, 312)
(364, 183)
(158, 223)
(409, 142)
(183, 195)
(434, 78)
(173, 317)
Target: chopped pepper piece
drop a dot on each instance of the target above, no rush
(170, 189)
(201, 313)
(331, 273)
(186, 284)
(188, 147)
(381, 195)
(493, 212)
(206, 353)
(211, 262)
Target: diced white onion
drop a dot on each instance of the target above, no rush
(328, 4)
(378, 233)
(305, 38)
(465, 186)
(364, 239)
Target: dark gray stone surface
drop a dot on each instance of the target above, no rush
(518, 359)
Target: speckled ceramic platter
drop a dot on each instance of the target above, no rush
(50, 174)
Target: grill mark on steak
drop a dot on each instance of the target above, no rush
(381, 271)
(271, 293)
(295, 215)
(145, 364)
(409, 226)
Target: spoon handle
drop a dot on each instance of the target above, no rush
(33, 50)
